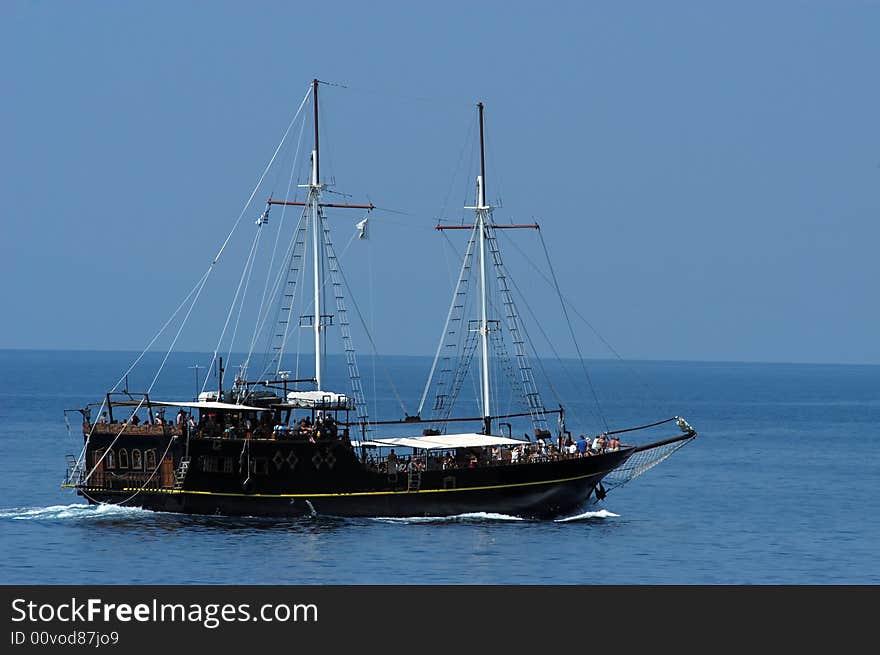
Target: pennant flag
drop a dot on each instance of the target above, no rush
(362, 226)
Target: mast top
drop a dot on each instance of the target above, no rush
(482, 199)
(316, 163)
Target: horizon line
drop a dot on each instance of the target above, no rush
(429, 355)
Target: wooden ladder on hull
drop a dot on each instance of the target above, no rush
(180, 472)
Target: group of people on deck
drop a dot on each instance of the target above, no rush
(184, 421)
(323, 427)
(582, 446)
(268, 424)
(534, 451)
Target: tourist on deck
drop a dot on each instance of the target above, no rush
(103, 418)
(391, 461)
(582, 445)
(614, 443)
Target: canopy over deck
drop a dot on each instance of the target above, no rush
(200, 404)
(319, 400)
(441, 441)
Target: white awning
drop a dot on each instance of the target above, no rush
(201, 404)
(319, 400)
(441, 441)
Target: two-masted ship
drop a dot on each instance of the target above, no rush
(275, 445)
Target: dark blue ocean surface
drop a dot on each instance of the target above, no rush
(780, 487)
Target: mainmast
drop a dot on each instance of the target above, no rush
(483, 237)
(483, 212)
(314, 202)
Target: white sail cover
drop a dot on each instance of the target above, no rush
(441, 441)
(319, 400)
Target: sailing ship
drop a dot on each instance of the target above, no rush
(276, 445)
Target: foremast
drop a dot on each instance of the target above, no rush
(314, 203)
(322, 251)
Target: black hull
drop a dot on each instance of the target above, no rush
(535, 501)
(305, 479)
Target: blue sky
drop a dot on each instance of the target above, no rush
(707, 174)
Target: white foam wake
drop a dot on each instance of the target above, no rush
(469, 516)
(75, 511)
(601, 514)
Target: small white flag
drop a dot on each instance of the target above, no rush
(362, 226)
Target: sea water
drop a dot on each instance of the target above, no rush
(779, 487)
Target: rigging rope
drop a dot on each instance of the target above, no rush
(146, 482)
(250, 269)
(571, 330)
(461, 278)
(247, 204)
(291, 255)
(241, 280)
(115, 439)
(577, 313)
(360, 316)
(264, 297)
(158, 334)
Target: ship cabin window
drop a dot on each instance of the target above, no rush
(123, 458)
(208, 464)
(97, 456)
(110, 460)
(260, 465)
(228, 463)
(150, 457)
(136, 461)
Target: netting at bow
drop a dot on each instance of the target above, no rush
(641, 462)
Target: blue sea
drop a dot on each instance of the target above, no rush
(780, 487)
